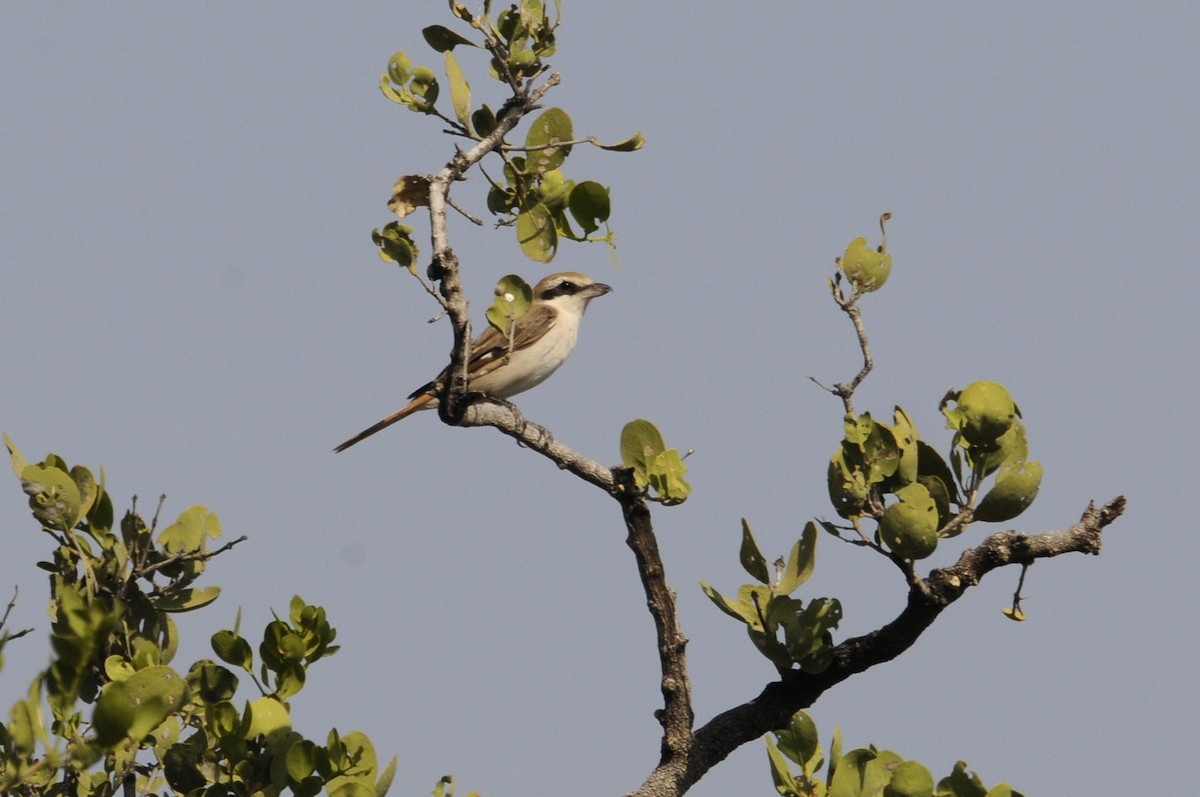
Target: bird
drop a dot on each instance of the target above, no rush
(541, 340)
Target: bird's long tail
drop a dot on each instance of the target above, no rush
(416, 404)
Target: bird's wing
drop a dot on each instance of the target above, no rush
(489, 350)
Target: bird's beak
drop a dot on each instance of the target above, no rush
(596, 289)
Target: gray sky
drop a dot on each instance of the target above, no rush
(191, 300)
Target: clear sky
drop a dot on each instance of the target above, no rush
(191, 300)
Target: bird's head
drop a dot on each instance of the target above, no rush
(568, 289)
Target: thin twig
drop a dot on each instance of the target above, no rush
(1016, 602)
(850, 307)
(473, 219)
(589, 140)
(12, 604)
(188, 557)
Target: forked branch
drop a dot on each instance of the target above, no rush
(774, 706)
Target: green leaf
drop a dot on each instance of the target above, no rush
(751, 558)
(881, 452)
(808, 635)
(905, 433)
(910, 779)
(745, 612)
(188, 534)
(799, 741)
(53, 496)
(536, 233)
(460, 91)
(960, 783)
(555, 190)
(20, 730)
(641, 443)
(100, 516)
(483, 121)
(134, 707)
(186, 600)
(233, 649)
(212, 682)
(350, 787)
(533, 15)
(931, 464)
(1016, 487)
(781, 774)
(398, 68)
(361, 753)
(855, 777)
(909, 526)
(443, 39)
(835, 752)
(396, 245)
(301, 760)
(983, 412)
(551, 127)
(590, 205)
(654, 466)
(86, 484)
(631, 144)
(14, 456)
(424, 88)
(268, 717)
(385, 780)
(848, 488)
(866, 268)
(801, 561)
(1009, 449)
(513, 297)
(666, 478)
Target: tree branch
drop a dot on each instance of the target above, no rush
(779, 700)
(676, 715)
(506, 418)
(456, 407)
(445, 263)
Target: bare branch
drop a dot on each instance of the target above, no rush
(850, 307)
(507, 419)
(187, 557)
(12, 604)
(478, 222)
(677, 715)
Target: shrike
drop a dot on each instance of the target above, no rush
(542, 340)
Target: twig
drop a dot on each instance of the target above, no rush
(1017, 614)
(850, 307)
(677, 715)
(588, 140)
(473, 219)
(189, 557)
(12, 604)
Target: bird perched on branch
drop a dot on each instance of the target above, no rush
(541, 340)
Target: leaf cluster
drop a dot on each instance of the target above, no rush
(865, 772)
(113, 594)
(532, 193)
(888, 474)
(789, 632)
(656, 469)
